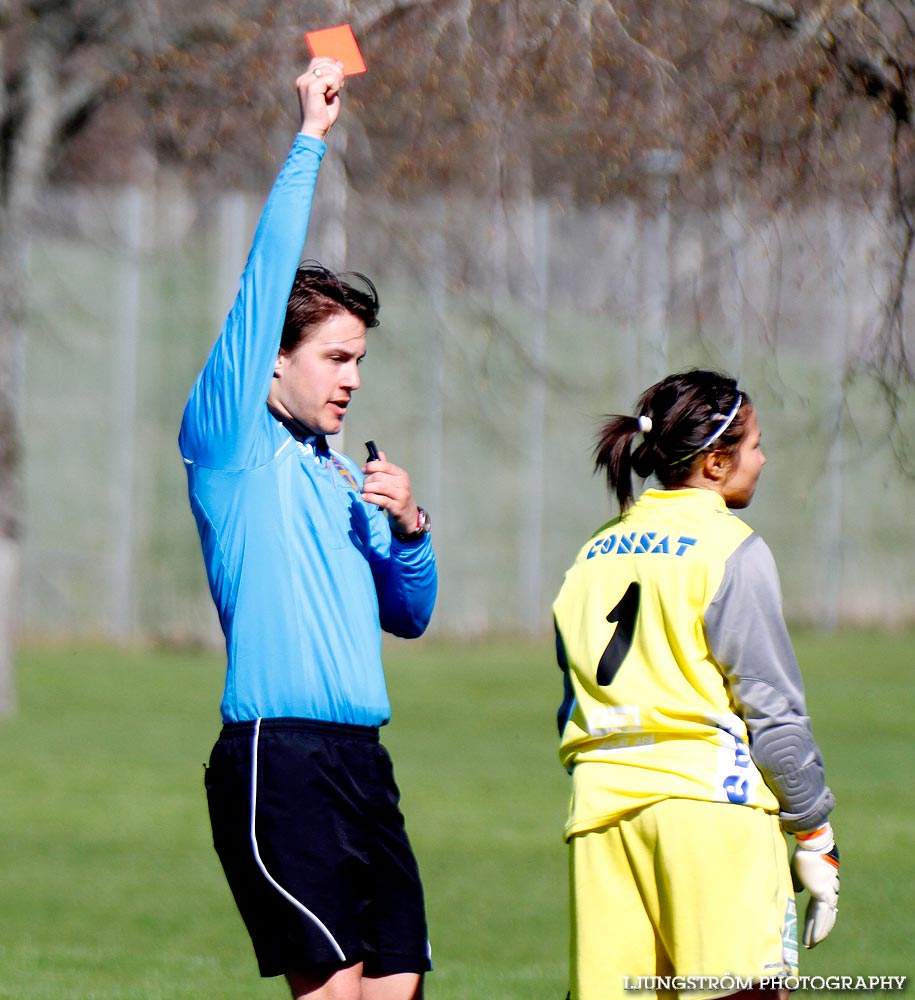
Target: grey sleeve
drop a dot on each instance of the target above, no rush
(748, 637)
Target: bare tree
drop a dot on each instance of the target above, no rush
(62, 63)
(58, 62)
(870, 46)
(791, 98)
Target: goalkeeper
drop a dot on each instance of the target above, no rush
(684, 722)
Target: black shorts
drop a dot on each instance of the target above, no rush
(307, 824)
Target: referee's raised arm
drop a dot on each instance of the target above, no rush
(220, 428)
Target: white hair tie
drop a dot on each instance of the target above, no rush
(645, 424)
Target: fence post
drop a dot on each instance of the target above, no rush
(131, 206)
(434, 384)
(661, 167)
(533, 444)
(234, 239)
(734, 291)
(830, 542)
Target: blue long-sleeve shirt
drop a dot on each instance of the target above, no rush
(304, 573)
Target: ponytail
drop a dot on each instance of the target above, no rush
(614, 454)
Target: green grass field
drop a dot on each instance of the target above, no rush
(111, 890)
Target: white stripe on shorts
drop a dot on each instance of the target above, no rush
(260, 864)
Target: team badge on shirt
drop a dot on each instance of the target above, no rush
(344, 471)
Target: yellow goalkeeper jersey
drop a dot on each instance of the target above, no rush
(680, 677)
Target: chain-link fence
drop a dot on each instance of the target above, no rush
(507, 331)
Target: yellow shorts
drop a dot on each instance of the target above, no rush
(692, 897)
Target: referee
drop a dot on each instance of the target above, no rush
(308, 557)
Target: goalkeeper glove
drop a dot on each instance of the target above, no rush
(815, 867)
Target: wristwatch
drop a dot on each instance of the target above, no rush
(423, 527)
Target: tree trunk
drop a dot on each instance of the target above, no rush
(9, 586)
(25, 174)
(12, 354)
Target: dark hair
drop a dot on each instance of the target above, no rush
(685, 411)
(317, 294)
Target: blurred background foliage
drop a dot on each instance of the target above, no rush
(731, 117)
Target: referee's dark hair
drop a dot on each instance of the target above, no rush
(679, 419)
(318, 294)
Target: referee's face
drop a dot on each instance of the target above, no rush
(746, 464)
(315, 381)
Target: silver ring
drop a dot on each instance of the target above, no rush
(317, 72)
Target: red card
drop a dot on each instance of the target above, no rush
(338, 43)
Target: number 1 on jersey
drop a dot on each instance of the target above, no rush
(624, 614)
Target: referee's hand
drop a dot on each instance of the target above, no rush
(388, 486)
(319, 96)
